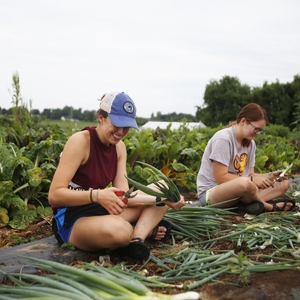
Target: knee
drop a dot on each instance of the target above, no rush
(248, 185)
(119, 231)
(284, 186)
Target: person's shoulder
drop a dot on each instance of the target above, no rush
(81, 133)
(253, 144)
(223, 133)
(121, 150)
(222, 138)
(121, 146)
(80, 137)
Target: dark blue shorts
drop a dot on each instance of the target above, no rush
(65, 218)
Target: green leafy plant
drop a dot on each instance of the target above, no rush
(25, 176)
(275, 153)
(19, 240)
(177, 153)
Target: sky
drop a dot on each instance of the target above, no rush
(162, 53)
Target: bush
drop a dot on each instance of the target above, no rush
(277, 130)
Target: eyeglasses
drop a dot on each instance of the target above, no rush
(257, 129)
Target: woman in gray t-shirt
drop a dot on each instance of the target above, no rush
(227, 168)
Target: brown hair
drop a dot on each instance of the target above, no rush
(101, 111)
(251, 112)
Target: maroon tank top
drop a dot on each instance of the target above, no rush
(98, 172)
(101, 167)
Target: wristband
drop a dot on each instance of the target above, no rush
(158, 199)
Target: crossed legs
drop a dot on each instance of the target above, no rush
(243, 189)
(111, 231)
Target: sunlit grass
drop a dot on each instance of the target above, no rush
(68, 126)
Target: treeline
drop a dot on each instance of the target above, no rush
(223, 99)
(69, 113)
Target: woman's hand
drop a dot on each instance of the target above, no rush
(262, 182)
(110, 201)
(274, 175)
(176, 205)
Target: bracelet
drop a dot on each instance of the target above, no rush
(158, 199)
(91, 195)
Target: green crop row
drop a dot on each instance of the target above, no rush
(178, 153)
(28, 160)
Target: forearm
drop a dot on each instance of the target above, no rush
(225, 177)
(269, 175)
(140, 199)
(67, 197)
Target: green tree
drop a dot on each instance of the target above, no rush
(35, 112)
(296, 123)
(66, 112)
(77, 114)
(275, 99)
(223, 100)
(89, 115)
(173, 117)
(293, 89)
(46, 113)
(56, 114)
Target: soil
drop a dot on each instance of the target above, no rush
(273, 285)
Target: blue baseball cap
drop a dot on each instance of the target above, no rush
(120, 109)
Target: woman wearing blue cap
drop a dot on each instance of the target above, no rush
(88, 213)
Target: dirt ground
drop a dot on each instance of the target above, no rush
(262, 286)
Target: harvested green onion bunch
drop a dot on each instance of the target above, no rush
(90, 282)
(166, 188)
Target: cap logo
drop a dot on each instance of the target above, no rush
(128, 107)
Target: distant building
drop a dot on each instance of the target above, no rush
(174, 125)
(68, 119)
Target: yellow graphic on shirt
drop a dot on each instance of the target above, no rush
(240, 163)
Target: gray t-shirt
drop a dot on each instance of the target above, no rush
(224, 148)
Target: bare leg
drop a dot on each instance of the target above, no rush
(100, 232)
(146, 218)
(149, 218)
(273, 192)
(234, 189)
(243, 189)
(94, 233)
